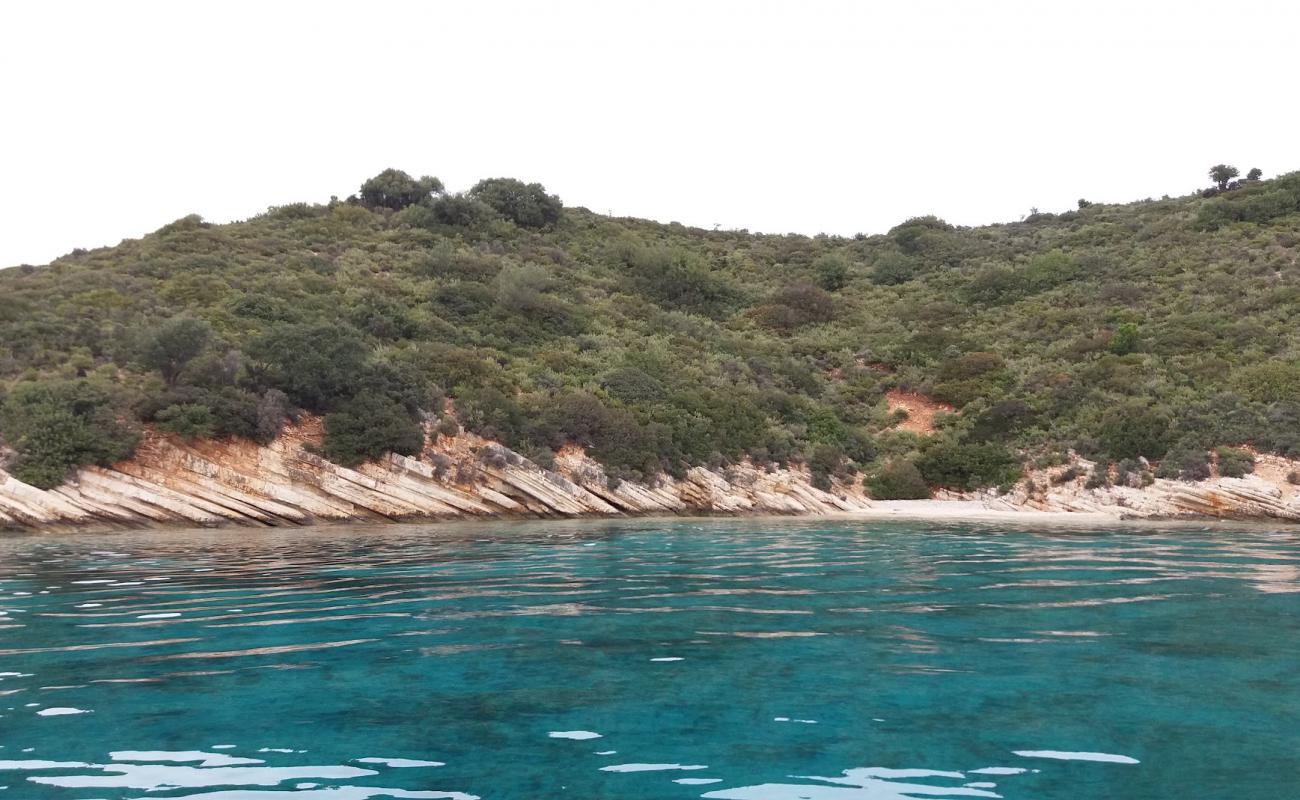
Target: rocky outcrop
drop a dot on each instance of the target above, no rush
(207, 483)
(1266, 494)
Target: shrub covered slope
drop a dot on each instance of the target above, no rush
(1158, 329)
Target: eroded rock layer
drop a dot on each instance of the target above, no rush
(1268, 494)
(206, 483)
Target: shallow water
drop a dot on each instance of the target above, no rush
(652, 659)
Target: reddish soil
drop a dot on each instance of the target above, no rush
(920, 410)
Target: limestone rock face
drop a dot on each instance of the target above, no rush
(207, 483)
(1266, 494)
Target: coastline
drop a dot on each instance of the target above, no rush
(973, 511)
(172, 483)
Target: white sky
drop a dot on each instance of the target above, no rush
(774, 116)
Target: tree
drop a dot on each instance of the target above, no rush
(525, 204)
(395, 189)
(1255, 174)
(1221, 174)
(173, 344)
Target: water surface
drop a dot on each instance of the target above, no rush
(652, 659)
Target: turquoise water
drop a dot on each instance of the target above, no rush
(652, 659)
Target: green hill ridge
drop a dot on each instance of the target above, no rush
(1157, 330)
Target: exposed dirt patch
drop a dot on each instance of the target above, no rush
(1275, 470)
(920, 410)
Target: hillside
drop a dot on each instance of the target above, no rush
(1157, 330)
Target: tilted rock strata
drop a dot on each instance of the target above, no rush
(206, 483)
(1266, 494)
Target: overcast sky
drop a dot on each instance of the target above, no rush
(773, 116)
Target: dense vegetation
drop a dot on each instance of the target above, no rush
(1160, 330)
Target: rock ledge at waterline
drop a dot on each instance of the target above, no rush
(174, 483)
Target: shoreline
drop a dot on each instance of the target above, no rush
(175, 484)
(944, 512)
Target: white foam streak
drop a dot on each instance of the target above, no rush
(1065, 755)
(576, 735)
(865, 783)
(153, 777)
(184, 756)
(327, 793)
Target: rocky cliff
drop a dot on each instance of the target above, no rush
(172, 482)
(206, 483)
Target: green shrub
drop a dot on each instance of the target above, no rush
(633, 385)
(1234, 463)
(1258, 203)
(189, 421)
(368, 427)
(1269, 381)
(896, 479)
(57, 426)
(832, 271)
(1133, 430)
(825, 461)
(678, 278)
(893, 268)
(796, 306)
(1001, 420)
(971, 376)
(966, 466)
(1125, 339)
(1184, 463)
(461, 211)
(316, 364)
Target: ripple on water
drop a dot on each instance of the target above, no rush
(354, 645)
